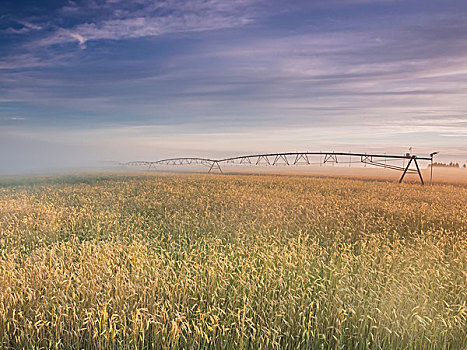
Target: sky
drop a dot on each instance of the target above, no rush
(85, 82)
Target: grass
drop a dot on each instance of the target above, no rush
(197, 261)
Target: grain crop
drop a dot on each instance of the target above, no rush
(211, 261)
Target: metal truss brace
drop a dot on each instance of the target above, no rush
(215, 165)
(301, 156)
(280, 157)
(414, 159)
(331, 158)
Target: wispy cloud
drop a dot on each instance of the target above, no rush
(26, 27)
(154, 19)
(80, 38)
(14, 118)
(11, 121)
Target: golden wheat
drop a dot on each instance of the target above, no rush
(195, 261)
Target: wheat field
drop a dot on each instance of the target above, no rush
(211, 261)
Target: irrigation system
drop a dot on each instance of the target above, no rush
(410, 162)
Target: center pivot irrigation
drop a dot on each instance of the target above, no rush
(303, 158)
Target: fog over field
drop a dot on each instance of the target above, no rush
(441, 175)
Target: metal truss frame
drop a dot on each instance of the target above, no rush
(295, 158)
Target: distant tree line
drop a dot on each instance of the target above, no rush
(450, 165)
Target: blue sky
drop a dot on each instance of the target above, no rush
(84, 81)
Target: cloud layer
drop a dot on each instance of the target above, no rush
(384, 73)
